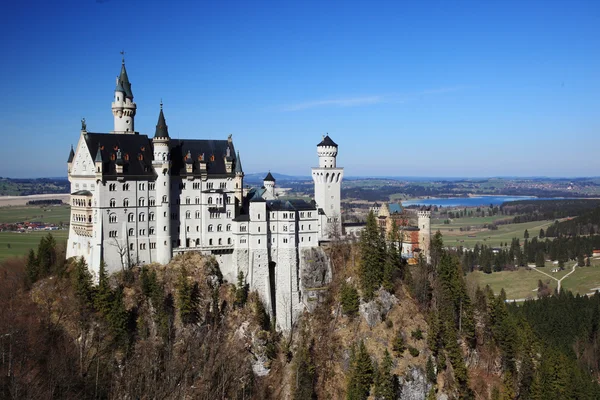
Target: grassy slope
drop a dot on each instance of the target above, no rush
(504, 234)
(20, 243)
(50, 214)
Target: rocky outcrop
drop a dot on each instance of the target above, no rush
(414, 385)
(377, 309)
(315, 275)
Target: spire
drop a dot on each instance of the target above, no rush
(269, 178)
(71, 155)
(98, 154)
(123, 81)
(161, 127)
(188, 158)
(238, 164)
(327, 142)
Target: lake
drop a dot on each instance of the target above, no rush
(471, 201)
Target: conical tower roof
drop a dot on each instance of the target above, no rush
(238, 164)
(124, 83)
(71, 155)
(162, 130)
(269, 178)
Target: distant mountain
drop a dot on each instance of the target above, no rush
(259, 176)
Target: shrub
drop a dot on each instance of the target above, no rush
(349, 300)
(413, 352)
(417, 334)
(399, 346)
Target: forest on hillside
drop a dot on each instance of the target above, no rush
(384, 329)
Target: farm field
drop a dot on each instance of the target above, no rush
(48, 214)
(519, 284)
(18, 244)
(454, 237)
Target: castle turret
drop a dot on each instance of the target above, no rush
(269, 184)
(238, 181)
(328, 183)
(123, 107)
(424, 222)
(161, 164)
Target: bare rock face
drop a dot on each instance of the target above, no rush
(315, 275)
(375, 310)
(414, 385)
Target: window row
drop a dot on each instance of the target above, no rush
(82, 202)
(82, 218)
(219, 228)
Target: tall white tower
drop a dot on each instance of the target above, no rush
(424, 222)
(269, 184)
(123, 107)
(162, 167)
(328, 187)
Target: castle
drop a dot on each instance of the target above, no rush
(137, 200)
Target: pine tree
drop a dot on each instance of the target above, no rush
(349, 300)
(118, 318)
(241, 291)
(372, 258)
(360, 376)
(540, 262)
(46, 255)
(385, 381)
(103, 298)
(305, 370)
(31, 268)
(399, 345)
(187, 298)
(82, 283)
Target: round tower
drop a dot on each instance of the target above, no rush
(123, 107)
(269, 184)
(424, 223)
(328, 187)
(327, 151)
(161, 164)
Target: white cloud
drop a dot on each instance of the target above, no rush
(368, 100)
(339, 102)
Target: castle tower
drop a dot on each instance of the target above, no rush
(239, 181)
(328, 183)
(269, 184)
(123, 107)
(161, 165)
(424, 223)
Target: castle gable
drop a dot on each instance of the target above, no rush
(83, 164)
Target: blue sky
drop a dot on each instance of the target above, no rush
(406, 88)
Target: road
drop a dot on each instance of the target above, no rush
(533, 267)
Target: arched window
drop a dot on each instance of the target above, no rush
(126, 186)
(141, 202)
(131, 231)
(228, 228)
(151, 217)
(112, 218)
(228, 240)
(130, 217)
(210, 228)
(197, 200)
(210, 200)
(220, 241)
(112, 202)
(130, 246)
(188, 214)
(197, 214)
(187, 200)
(125, 202)
(142, 217)
(164, 200)
(219, 228)
(210, 242)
